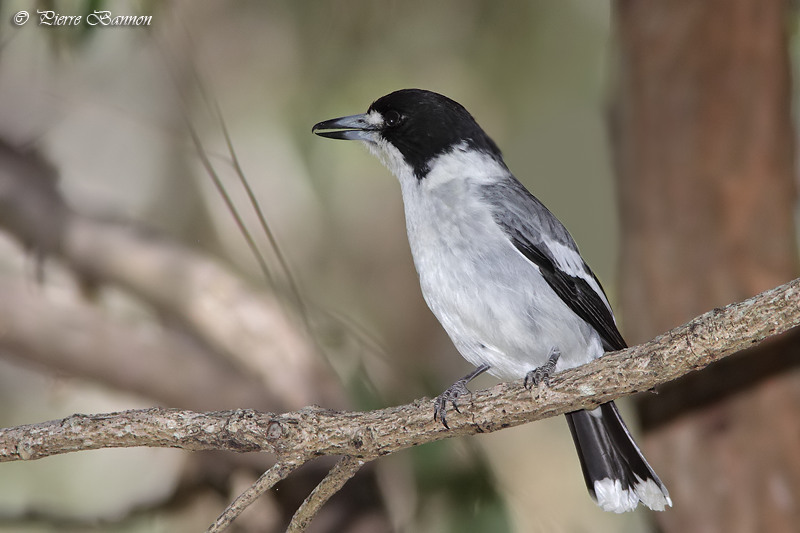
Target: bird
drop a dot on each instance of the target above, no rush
(501, 274)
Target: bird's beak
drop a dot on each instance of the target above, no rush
(352, 128)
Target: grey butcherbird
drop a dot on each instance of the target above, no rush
(501, 274)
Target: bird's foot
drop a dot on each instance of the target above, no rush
(543, 373)
(451, 395)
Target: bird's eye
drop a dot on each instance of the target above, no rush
(392, 118)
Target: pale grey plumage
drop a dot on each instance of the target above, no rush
(492, 301)
(501, 273)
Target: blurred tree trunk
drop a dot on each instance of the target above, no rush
(704, 148)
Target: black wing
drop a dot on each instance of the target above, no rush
(535, 232)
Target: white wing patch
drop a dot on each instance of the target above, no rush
(570, 262)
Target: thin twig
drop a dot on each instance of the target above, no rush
(265, 227)
(268, 479)
(172, 67)
(360, 332)
(302, 307)
(215, 179)
(330, 485)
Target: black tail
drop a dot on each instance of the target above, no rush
(616, 472)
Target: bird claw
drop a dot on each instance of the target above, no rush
(544, 372)
(451, 395)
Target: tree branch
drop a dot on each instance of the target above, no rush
(315, 431)
(248, 326)
(277, 472)
(330, 485)
(70, 335)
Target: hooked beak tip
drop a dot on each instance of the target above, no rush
(352, 128)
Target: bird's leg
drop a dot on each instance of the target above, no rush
(456, 390)
(543, 373)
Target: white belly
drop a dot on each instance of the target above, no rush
(492, 301)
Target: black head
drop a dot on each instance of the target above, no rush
(419, 124)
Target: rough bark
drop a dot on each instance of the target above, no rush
(313, 431)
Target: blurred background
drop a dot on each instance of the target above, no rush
(660, 133)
